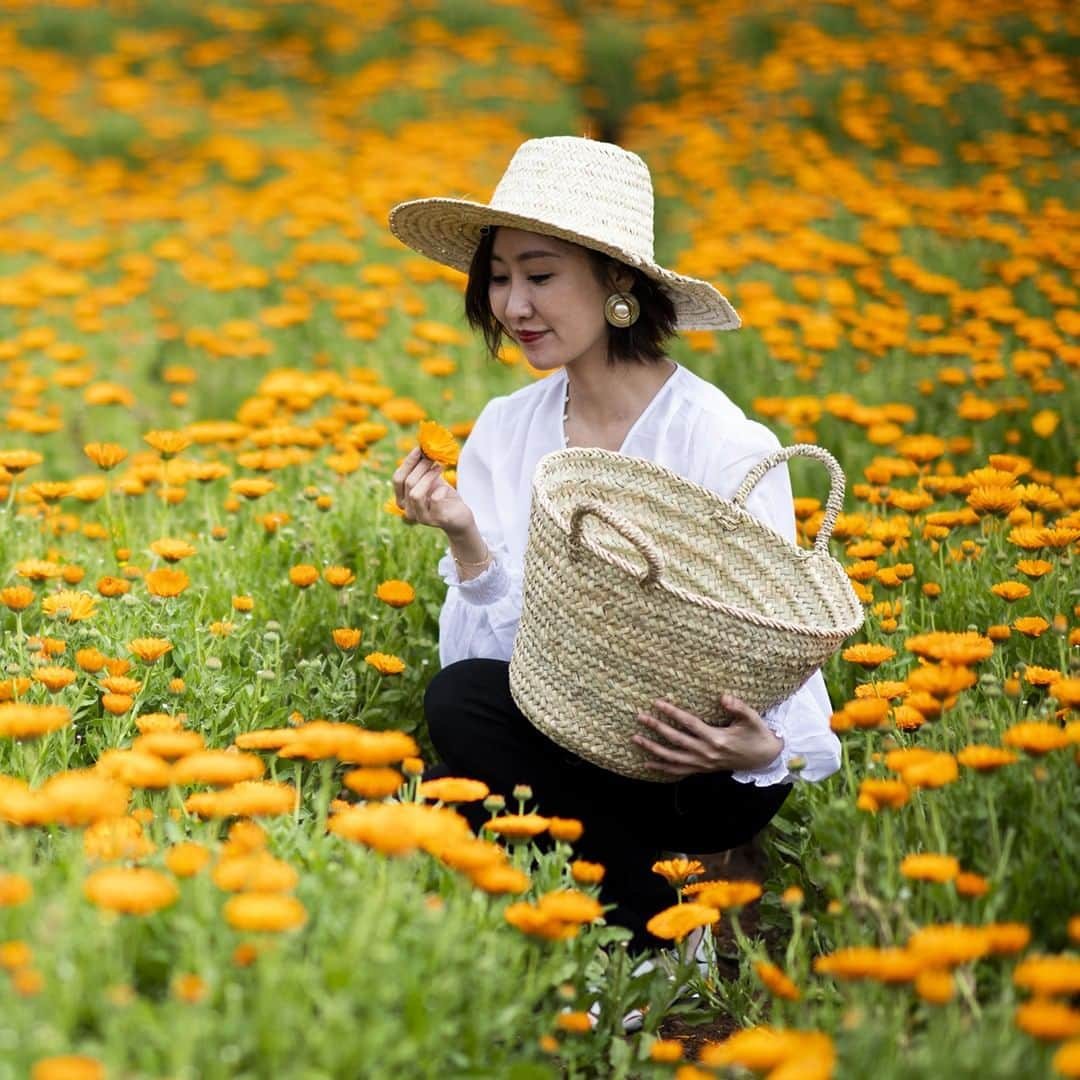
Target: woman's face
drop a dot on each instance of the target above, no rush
(546, 295)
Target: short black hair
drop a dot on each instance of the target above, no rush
(643, 342)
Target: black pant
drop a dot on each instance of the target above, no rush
(479, 732)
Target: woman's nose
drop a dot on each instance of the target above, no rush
(519, 301)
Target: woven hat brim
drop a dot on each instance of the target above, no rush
(448, 231)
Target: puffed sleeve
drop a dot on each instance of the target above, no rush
(479, 616)
(811, 749)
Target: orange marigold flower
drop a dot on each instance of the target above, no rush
(454, 789)
(985, 758)
(875, 794)
(1034, 568)
(17, 597)
(1010, 590)
(68, 1067)
(724, 895)
(54, 678)
(242, 603)
(257, 871)
(517, 826)
(437, 443)
(374, 782)
(587, 873)
(110, 586)
(1049, 976)
(570, 905)
(666, 1051)
(1066, 692)
(1041, 676)
(949, 944)
(568, 830)
(216, 767)
(396, 593)
(252, 487)
(26, 721)
(499, 879)
(173, 550)
(867, 655)
(677, 871)
(1031, 626)
(1036, 737)
(70, 605)
(130, 890)
(268, 912)
(149, 650)
(674, 923)
(166, 583)
(764, 1048)
(385, 663)
(187, 859)
(776, 981)
(1007, 938)
(167, 443)
(169, 744)
(965, 648)
(935, 986)
(1051, 1021)
(105, 455)
(303, 576)
(14, 890)
(577, 1023)
(930, 867)
(338, 576)
(346, 638)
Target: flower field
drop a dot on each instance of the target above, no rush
(217, 855)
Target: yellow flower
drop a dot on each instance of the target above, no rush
(876, 793)
(187, 858)
(1049, 976)
(586, 873)
(169, 744)
(1051, 1021)
(255, 872)
(70, 605)
(984, 758)
(252, 487)
(1010, 590)
(267, 912)
(577, 1023)
(569, 905)
(438, 444)
(130, 890)
(385, 663)
(396, 593)
(248, 798)
(935, 986)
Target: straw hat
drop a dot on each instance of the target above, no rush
(591, 193)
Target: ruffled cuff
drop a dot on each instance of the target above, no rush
(490, 585)
(777, 771)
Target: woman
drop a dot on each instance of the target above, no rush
(561, 262)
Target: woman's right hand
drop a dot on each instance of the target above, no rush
(425, 496)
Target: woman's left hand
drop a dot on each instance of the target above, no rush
(691, 746)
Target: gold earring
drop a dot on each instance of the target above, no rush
(622, 309)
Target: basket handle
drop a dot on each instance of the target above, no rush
(646, 549)
(833, 505)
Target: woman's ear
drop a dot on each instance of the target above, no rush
(621, 278)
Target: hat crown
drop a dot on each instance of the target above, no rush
(594, 189)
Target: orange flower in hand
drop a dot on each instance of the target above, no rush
(437, 444)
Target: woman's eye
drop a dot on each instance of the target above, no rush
(498, 279)
(538, 279)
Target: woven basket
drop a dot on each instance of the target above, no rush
(639, 585)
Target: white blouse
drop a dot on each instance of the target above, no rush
(692, 428)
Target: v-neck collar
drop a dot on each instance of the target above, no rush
(664, 386)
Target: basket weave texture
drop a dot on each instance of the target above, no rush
(640, 584)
